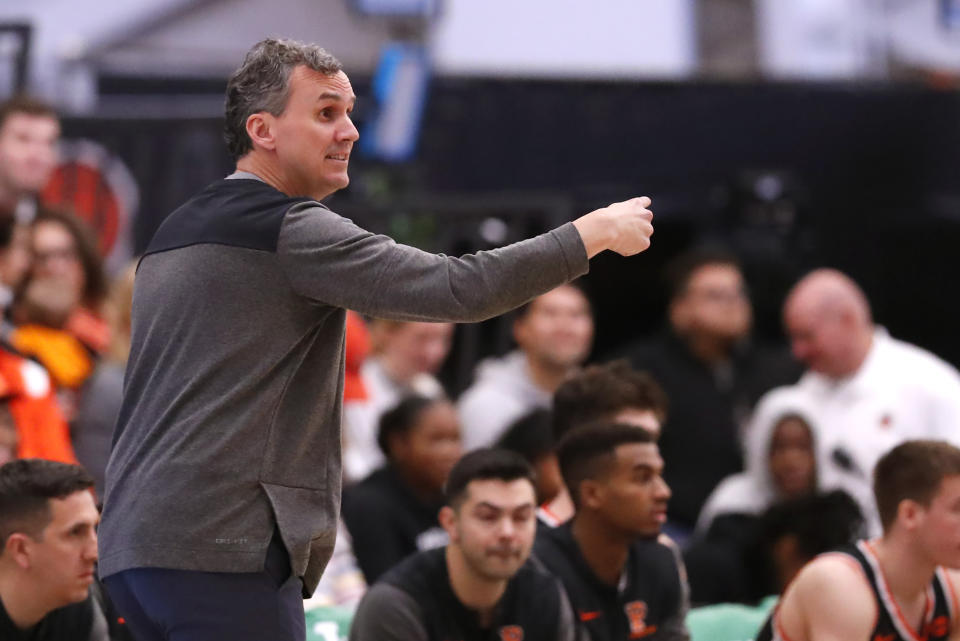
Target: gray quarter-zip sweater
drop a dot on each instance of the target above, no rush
(230, 423)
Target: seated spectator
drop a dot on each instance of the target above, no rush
(480, 586)
(612, 392)
(866, 390)
(48, 527)
(65, 251)
(393, 512)
(553, 334)
(100, 397)
(531, 436)
(405, 357)
(622, 579)
(781, 457)
(781, 465)
(713, 372)
(57, 312)
(27, 398)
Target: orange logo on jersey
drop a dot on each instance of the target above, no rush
(590, 616)
(884, 637)
(511, 633)
(939, 627)
(636, 615)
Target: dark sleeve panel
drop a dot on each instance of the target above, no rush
(237, 212)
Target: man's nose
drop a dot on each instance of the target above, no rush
(663, 490)
(91, 552)
(350, 131)
(507, 528)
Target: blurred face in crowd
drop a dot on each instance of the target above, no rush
(792, 459)
(630, 496)
(714, 304)
(62, 558)
(409, 349)
(314, 136)
(56, 256)
(428, 451)
(28, 152)
(822, 338)
(493, 527)
(937, 525)
(557, 328)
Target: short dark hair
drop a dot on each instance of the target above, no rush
(262, 83)
(680, 270)
(819, 522)
(399, 419)
(530, 436)
(524, 309)
(24, 104)
(88, 251)
(585, 452)
(482, 465)
(912, 470)
(27, 485)
(600, 391)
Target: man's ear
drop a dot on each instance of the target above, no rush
(448, 521)
(261, 127)
(592, 494)
(17, 548)
(909, 514)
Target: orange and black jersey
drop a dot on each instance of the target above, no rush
(891, 624)
(649, 603)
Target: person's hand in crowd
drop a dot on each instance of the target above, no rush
(623, 227)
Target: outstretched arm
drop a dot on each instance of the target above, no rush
(329, 259)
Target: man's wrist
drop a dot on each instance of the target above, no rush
(594, 231)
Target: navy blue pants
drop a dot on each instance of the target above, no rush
(180, 605)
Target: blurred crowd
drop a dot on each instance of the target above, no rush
(766, 451)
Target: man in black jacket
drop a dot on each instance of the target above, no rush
(47, 526)
(623, 581)
(712, 373)
(481, 586)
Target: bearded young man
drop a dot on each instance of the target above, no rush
(481, 586)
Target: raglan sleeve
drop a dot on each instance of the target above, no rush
(330, 260)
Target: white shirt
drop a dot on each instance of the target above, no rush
(900, 392)
(503, 392)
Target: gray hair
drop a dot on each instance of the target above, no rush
(262, 83)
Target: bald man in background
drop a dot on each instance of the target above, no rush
(867, 390)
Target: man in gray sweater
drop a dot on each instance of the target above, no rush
(223, 486)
